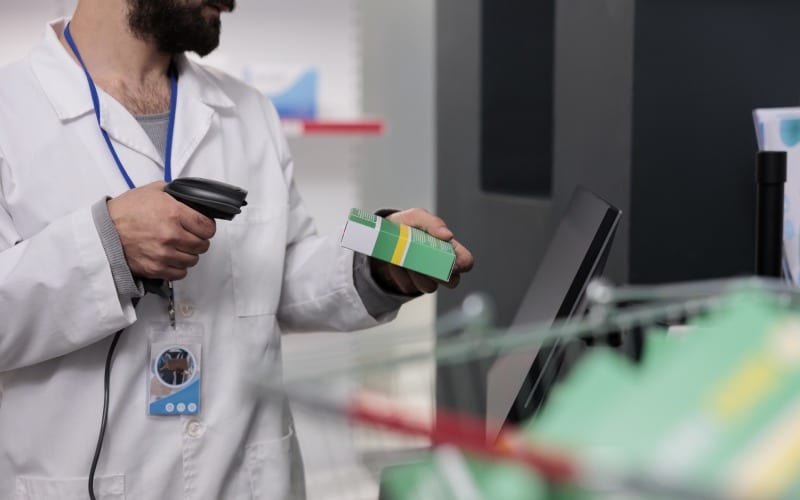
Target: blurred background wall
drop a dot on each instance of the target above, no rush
(650, 106)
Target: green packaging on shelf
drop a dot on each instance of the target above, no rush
(716, 410)
(402, 245)
(446, 474)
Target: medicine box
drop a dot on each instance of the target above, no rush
(402, 245)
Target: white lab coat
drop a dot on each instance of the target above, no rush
(265, 271)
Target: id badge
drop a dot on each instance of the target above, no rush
(174, 370)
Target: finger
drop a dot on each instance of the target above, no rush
(423, 283)
(455, 279)
(189, 243)
(464, 259)
(402, 281)
(422, 219)
(174, 273)
(180, 260)
(160, 270)
(198, 224)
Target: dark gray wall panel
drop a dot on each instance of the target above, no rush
(506, 233)
(593, 109)
(517, 97)
(701, 67)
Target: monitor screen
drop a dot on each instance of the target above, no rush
(517, 383)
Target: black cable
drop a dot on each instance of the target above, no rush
(106, 383)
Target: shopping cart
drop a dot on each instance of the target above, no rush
(370, 412)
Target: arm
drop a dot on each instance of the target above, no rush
(325, 287)
(57, 294)
(59, 291)
(318, 291)
(381, 287)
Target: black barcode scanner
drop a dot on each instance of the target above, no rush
(213, 199)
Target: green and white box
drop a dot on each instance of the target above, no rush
(402, 245)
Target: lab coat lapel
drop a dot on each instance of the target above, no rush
(199, 97)
(123, 129)
(64, 83)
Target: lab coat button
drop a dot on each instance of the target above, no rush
(194, 428)
(186, 309)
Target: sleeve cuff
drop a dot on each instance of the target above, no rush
(127, 286)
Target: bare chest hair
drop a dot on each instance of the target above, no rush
(149, 98)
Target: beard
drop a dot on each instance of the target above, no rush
(176, 25)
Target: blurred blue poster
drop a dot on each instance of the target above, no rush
(294, 90)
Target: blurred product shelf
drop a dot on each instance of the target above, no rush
(366, 127)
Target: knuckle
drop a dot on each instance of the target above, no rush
(152, 269)
(412, 214)
(173, 212)
(165, 236)
(161, 254)
(404, 213)
(168, 241)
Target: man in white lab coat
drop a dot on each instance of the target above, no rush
(83, 219)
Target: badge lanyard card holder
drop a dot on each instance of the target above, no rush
(173, 380)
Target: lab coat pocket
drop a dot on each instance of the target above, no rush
(268, 467)
(35, 488)
(258, 246)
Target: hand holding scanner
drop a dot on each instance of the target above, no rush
(214, 199)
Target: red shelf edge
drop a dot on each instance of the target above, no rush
(334, 127)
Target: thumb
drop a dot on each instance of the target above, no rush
(424, 220)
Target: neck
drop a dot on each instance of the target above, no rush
(128, 68)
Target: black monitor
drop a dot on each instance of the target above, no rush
(517, 383)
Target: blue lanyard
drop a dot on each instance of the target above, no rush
(173, 77)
